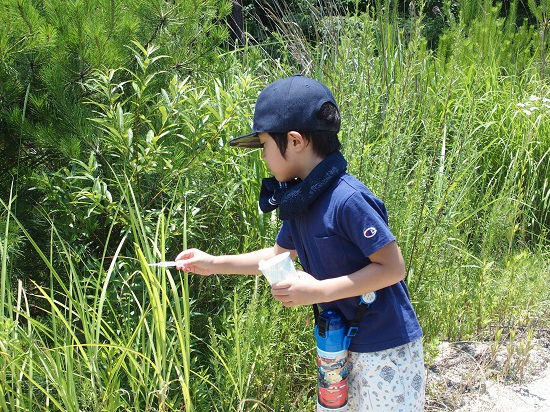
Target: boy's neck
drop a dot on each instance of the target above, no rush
(309, 163)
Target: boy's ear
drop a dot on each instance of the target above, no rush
(296, 141)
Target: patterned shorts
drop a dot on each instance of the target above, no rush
(391, 380)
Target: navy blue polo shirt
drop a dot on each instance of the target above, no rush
(344, 226)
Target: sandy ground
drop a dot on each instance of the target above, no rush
(491, 377)
(529, 397)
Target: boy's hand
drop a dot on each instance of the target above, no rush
(304, 290)
(195, 261)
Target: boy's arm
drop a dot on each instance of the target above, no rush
(387, 268)
(202, 263)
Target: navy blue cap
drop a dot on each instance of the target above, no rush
(286, 105)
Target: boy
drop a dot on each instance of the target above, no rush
(339, 230)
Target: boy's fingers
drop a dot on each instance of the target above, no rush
(283, 284)
(186, 254)
(186, 263)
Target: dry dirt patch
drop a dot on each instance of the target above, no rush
(507, 375)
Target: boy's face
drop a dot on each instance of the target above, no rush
(282, 168)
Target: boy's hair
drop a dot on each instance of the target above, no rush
(323, 142)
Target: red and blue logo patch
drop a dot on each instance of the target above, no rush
(370, 232)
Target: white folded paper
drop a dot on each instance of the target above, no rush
(164, 264)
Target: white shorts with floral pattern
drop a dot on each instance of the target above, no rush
(391, 380)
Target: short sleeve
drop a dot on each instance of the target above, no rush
(364, 221)
(284, 237)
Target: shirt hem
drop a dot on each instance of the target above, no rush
(366, 348)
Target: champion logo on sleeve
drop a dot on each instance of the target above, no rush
(370, 232)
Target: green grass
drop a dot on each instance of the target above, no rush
(462, 164)
(102, 343)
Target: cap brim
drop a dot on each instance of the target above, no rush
(249, 141)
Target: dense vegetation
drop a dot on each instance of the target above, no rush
(114, 119)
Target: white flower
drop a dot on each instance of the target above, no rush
(534, 104)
